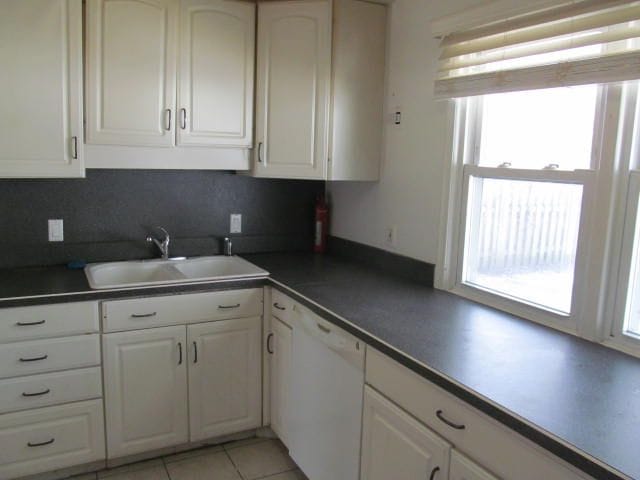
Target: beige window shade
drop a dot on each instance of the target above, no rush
(586, 41)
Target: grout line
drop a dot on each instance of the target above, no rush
(233, 463)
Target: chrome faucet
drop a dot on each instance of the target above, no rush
(163, 245)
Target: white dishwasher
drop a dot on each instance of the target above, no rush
(326, 398)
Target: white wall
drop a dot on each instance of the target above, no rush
(410, 190)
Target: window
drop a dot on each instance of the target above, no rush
(528, 155)
(543, 211)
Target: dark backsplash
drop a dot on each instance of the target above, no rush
(108, 215)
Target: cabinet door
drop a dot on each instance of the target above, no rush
(280, 345)
(131, 71)
(225, 381)
(294, 61)
(145, 380)
(41, 81)
(395, 445)
(463, 468)
(216, 56)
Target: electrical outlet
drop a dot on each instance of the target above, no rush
(235, 223)
(391, 236)
(56, 230)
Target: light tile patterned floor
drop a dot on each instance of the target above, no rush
(249, 459)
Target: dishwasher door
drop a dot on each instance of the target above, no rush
(326, 399)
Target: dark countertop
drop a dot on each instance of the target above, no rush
(45, 285)
(521, 373)
(573, 397)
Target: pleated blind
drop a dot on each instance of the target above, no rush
(576, 43)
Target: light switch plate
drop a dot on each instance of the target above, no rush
(56, 230)
(235, 223)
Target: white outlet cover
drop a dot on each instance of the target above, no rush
(235, 223)
(56, 230)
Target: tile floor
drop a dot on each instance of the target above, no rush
(249, 459)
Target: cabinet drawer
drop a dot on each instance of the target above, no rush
(508, 454)
(149, 312)
(26, 323)
(281, 306)
(38, 356)
(49, 389)
(50, 438)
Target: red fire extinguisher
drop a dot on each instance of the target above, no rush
(321, 225)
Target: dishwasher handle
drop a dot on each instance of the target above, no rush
(329, 335)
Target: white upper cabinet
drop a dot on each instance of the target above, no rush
(170, 73)
(294, 69)
(320, 89)
(216, 55)
(41, 81)
(131, 71)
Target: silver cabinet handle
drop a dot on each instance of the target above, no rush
(168, 114)
(226, 307)
(195, 352)
(34, 359)
(74, 142)
(269, 338)
(143, 315)
(28, 324)
(277, 305)
(36, 394)
(260, 152)
(183, 114)
(443, 419)
(433, 473)
(179, 353)
(41, 444)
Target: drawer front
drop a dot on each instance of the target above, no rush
(42, 321)
(39, 356)
(50, 438)
(281, 306)
(508, 454)
(150, 312)
(50, 389)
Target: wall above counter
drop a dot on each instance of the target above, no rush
(108, 215)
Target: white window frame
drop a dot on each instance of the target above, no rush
(465, 137)
(626, 201)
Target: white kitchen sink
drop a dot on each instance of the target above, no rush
(161, 272)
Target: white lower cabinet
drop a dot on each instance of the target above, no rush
(496, 448)
(280, 346)
(50, 438)
(145, 380)
(225, 379)
(167, 386)
(395, 445)
(463, 468)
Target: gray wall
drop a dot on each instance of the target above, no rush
(108, 215)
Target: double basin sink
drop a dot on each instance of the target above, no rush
(161, 272)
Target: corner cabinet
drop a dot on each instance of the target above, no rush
(175, 74)
(41, 122)
(320, 89)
